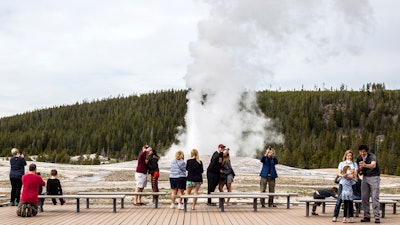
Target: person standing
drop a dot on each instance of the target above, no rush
(17, 170)
(177, 178)
(227, 174)
(152, 166)
(195, 169)
(268, 175)
(370, 185)
(347, 161)
(30, 195)
(213, 171)
(141, 174)
(347, 181)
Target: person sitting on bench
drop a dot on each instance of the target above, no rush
(322, 194)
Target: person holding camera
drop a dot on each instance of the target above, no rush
(370, 185)
(17, 170)
(268, 175)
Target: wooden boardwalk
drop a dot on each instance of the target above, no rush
(240, 214)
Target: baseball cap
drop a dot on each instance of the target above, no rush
(221, 146)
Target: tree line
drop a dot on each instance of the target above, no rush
(318, 126)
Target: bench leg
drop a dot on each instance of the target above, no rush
(307, 208)
(87, 203)
(185, 200)
(323, 207)
(288, 202)
(221, 204)
(255, 204)
(77, 205)
(122, 203)
(41, 201)
(394, 208)
(156, 202)
(383, 206)
(115, 204)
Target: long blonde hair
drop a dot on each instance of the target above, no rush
(194, 154)
(226, 158)
(347, 152)
(179, 155)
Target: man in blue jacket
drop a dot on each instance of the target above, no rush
(268, 175)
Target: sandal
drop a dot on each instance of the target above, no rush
(314, 213)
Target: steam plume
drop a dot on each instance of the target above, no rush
(237, 48)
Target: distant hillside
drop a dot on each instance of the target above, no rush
(318, 126)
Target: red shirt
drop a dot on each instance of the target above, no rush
(141, 165)
(31, 183)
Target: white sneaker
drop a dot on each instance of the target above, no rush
(334, 219)
(172, 206)
(180, 206)
(150, 204)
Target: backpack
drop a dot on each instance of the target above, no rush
(26, 210)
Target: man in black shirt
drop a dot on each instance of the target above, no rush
(369, 168)
(213, 171)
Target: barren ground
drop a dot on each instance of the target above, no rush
(120, 177)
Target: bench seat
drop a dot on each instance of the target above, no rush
(382, 202)
(87, 197)
(127, 194)
(222, 195)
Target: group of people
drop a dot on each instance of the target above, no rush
(187, 176)
(147, 164)
(30, 183)
(349, 179)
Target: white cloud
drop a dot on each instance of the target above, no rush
(62, 52)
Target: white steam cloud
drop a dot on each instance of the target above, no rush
(237, 48)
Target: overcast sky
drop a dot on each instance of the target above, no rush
(62, 52)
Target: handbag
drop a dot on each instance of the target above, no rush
(156, 174)
(337, 178)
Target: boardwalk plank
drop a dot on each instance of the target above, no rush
(235, 214)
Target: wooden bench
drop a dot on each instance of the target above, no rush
(79, 196)
(156, 194)
(391, 197)
(264, 195)
(382, 203)
(223, 195)
(322, 201)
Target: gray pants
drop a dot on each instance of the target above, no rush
(370, 189)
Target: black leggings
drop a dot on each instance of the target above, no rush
(348, 208)
(16, 185)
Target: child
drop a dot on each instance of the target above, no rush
(322, 194)
(54, 187)
(347, 195)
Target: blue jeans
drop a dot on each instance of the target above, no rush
(338, 202)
